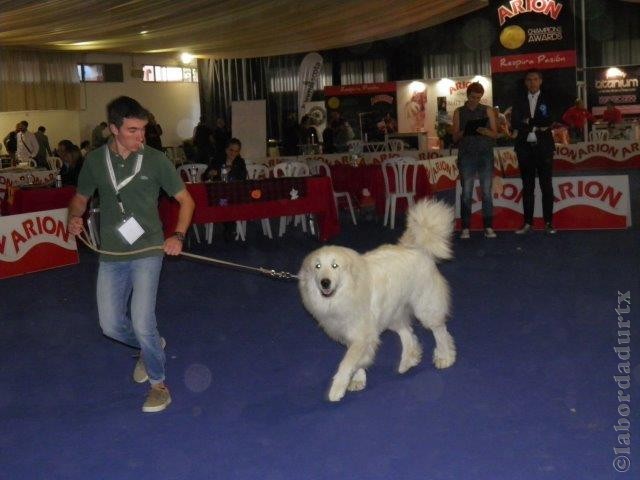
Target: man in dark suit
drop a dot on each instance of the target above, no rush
(534, 145)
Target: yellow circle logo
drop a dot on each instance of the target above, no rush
(333, 102)
(512, 37)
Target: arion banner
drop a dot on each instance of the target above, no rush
(580, 203)
(35, 241)
(533, 34)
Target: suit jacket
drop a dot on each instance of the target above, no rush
(543, 118)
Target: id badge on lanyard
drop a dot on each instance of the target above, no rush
(129, 229)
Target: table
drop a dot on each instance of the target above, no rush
(347, 178)
(23, 176)
(35, 199)
(318, 200)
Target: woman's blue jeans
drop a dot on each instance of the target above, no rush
(126, 293)
(470, 164)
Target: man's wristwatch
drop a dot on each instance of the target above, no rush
(179, 236)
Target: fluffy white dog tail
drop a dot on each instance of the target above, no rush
(429, 227)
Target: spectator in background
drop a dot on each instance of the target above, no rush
(99, 135)
(237, 170)
(63, 146)
(290, 135)
(344, 134)
(221, 136)
(328, 137)
(27, 143)
(235, 164)
(612, 115)
(576, 118)
(203, 142)
(44, 149)
(11, 142)
(152, 133)
(85, 147)
(71, 164)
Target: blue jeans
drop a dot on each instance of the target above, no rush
(470, 164)
(136, 280)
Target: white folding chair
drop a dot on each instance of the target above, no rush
(404, 186)
(55, 163)
(291, 169)
(255, 171)
(599, 135)
(193, 171)
(318, 167)
(395, 145)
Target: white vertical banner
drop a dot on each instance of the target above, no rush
(249, 125)
(310, 70)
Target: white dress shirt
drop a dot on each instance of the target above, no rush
(533, 99)
(27, 146)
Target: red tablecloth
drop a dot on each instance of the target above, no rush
(318, 200)
(353, 179)
(25, 200)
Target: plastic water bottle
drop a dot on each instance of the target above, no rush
(224, 173)
(58, 180)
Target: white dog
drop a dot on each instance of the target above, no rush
(356, 297)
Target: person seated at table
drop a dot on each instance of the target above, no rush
(576, 118)
(612, 115)
(72, 161)
(63, 146)
(236, 166)
(237, 170)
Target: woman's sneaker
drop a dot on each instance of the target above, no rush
(464, 235)
(489, 233)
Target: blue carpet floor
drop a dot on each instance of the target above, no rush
(531, 396)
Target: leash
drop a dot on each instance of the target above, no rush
(278, 275)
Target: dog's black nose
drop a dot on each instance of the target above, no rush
(325, 282)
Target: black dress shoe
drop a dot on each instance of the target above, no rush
(548, 229)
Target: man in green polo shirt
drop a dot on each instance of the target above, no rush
(128, 176)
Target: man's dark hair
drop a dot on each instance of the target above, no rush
(536, 71)
(41, 129)
(24, 123)
(125, 107)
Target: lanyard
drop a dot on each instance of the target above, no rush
(112, 175)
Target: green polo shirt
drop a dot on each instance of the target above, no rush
(139, 197)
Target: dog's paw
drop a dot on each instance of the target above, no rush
(336, 392)
(359, 381)
(410, 360)
(444, 359)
